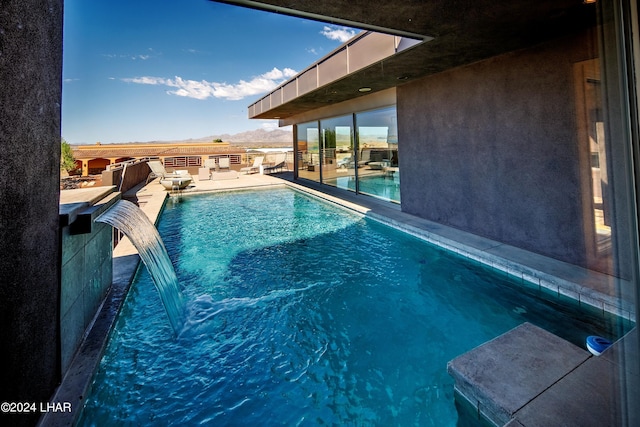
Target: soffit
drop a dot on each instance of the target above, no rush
(463, 31)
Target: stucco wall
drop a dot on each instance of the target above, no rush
(30, 72)
(492, 148)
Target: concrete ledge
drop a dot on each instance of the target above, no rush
(85, 218)
(503, 375)
(72, 202)
(585, 398)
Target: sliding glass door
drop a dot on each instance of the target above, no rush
(365, 161)
(338, 166)
(378, 165)
(308, 151)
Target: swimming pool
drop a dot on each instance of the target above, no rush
(302, 313)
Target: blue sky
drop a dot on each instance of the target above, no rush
(147, 70)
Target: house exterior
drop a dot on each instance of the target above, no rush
(93, 159)
(512, 121)
(506, 134)
(516, 121)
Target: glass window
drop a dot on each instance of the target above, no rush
(338, 167)
(308, 151)
(365, 161)
(377, 157)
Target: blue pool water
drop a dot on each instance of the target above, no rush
(301, 313)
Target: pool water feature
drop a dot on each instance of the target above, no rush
(301, 313)
(132, 221)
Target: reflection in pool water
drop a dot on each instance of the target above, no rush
(381, 185)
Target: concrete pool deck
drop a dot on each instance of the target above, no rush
(561, 280)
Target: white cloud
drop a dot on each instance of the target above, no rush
(277, 74)
(196, 51)
(146, 80)
(342, 34)
(204, 89)
(270, 125)
(143, 56)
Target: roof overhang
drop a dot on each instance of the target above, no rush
(452, 34)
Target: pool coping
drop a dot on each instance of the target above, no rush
(152, 197)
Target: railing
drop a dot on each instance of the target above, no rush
(360, 52)
(126, 175)
(183, 161)
(234, 159)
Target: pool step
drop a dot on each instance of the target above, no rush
(504, 375)
(529, 377)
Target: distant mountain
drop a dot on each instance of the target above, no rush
(252, 138)
(261, 135)
(259, 138)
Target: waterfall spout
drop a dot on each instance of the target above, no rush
(132, 221)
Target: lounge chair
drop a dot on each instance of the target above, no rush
(209, 163)
(157, 170)
(224, 164)
(204, 173)
(168, 180)
(255, 167)
(364, 158)
(278, 165)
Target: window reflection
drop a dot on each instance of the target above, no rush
(338, 148)
(378, 165)
(366, 161)
(308, 151)
(591, 130)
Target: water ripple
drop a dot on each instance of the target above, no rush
(305, 315)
